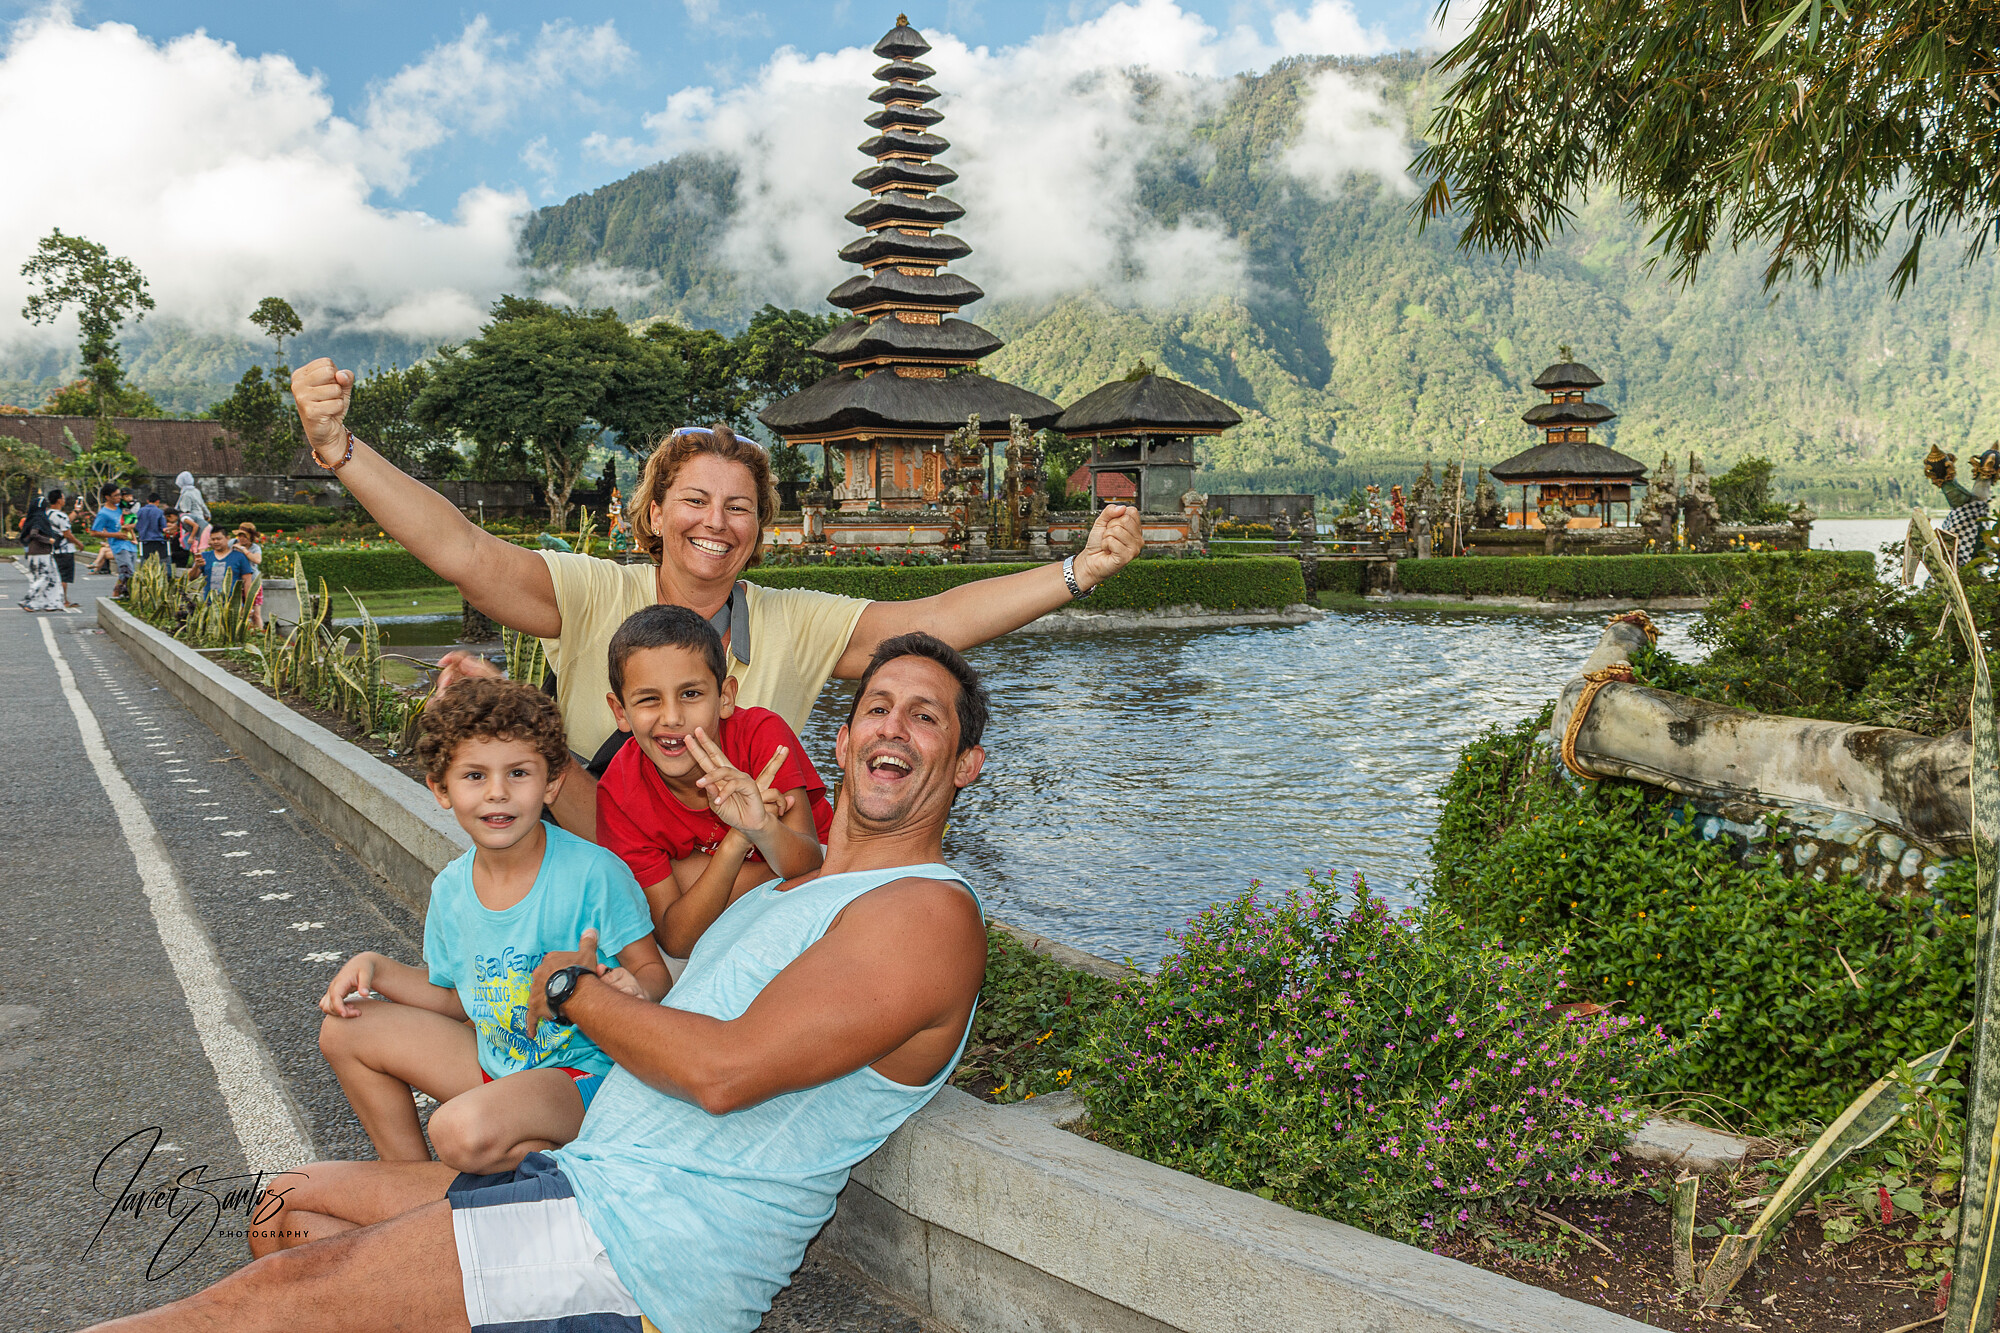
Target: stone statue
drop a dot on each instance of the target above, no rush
(1700, 516)
(621, 532)
(1423, 492)
(963, 473)
(1801, 518)
(1036, 452)
(1373, 522)
(1659, 516)
(1398, 516)
(1486, 508)
(1554, 518)
(1420, 533)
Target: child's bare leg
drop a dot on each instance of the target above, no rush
(492, 1127)
(383, 1052)
(327, 1198)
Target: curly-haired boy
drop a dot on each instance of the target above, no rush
(494, 755)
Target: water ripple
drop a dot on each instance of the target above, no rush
(1132, 779)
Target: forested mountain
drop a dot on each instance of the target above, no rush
(1363, 345)
(1359, 346)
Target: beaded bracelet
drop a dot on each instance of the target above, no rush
(345, 458)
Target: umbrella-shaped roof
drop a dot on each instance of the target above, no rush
(1149, 404)
(1568, 462)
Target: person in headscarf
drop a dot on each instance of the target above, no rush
(44, 587)
(193, 511)
(189, 503)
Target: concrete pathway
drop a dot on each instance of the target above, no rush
(167, 925)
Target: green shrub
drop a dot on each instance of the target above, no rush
(1664, 923)
(1144, 585)
(1339, 576)
(287, 518)
(1381, 1070)
(1813, 638)
(1032, 1015)
(368, 571)
(1563, 578)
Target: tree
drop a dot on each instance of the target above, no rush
(275, 316)
(704, 364)
(380, 413)
(105, 463)
(1819, 130)
(540, 379)
(78, 398)
(103, 289)
(771, 357)
(22, 466)
(265, 425)
(1743, 494)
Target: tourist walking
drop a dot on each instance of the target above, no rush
(39, 539)
(699, 511)
(247, 542)
(118, 533)
(149, 525)
(63, 524)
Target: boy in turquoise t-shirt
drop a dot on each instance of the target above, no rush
(494, 755)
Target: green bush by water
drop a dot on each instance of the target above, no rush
(1563, 578)
(369, 571)
(1814, 638)
(1385, 1070)
(1663, 923)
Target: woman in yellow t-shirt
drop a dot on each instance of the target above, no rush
(699, 511)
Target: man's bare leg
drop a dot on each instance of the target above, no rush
(400, 1274)
(328, 1198)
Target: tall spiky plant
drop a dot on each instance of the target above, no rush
(1976, 1269)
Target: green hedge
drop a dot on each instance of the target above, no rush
(272, 517)
(1340, 576)
(1234, 584)
(1563, 578)
(1147, 585)
(369, 571)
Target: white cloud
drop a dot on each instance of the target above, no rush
(1347, 126)
(227, 177)
(1048, 137)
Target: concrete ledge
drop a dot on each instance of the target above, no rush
(377, 812)
(1058, 952)
(993, 1218)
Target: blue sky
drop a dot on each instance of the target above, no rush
(355, 45)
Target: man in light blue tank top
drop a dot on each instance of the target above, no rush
(813, 1018)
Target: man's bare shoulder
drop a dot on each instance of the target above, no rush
(933, 911)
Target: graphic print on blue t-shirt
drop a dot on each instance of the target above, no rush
(489, 957)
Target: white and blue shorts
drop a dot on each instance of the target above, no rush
(530, 1262)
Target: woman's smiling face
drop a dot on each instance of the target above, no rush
(707, 519)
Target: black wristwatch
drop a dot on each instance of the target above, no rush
(560, 988)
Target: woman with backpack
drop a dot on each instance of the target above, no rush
(40, 537)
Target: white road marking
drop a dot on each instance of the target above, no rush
(252, 874)
(273, 897)
(229, 854)
(307, 925)
(328, 957)
(206, 818)
(236, 833)
(267, 1123)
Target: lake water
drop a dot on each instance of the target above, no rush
(1135, 778)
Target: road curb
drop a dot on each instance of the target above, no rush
(392, 826)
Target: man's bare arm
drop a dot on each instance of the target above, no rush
(891, 984)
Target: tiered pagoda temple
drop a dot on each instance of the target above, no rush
(1143, 428)
(905, 380)
(1569, 468)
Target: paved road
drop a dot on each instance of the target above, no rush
(166, 925)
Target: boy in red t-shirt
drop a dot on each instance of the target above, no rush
(677, 803)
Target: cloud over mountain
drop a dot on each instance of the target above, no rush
(1049, 138)
(228, 177)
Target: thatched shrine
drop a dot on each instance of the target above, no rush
(1568, 468)
(1143, 427)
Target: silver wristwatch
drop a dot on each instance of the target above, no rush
(1069, 576)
